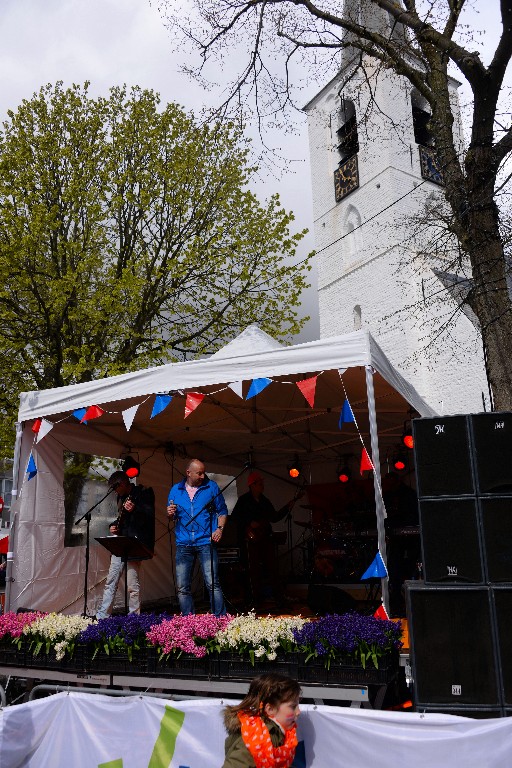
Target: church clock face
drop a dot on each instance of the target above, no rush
(430, 168)
(346, 178)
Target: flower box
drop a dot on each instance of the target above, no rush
(314, 671)
(117, 662)
(11, 655)
(49, 660)
(179, 666)
(233, 666)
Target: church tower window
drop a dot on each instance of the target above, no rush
(346, 175)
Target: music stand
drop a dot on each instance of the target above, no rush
(127, 548)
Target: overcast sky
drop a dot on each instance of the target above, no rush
(111, 42)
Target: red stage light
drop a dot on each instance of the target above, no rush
(343, 478)
(399, 465)
(131, 467)
(294, 472)
(408, 440)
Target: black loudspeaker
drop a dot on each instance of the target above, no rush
(492, 446)
(496, 515)
(450, 541)
(503, 607)
(443, 456)
(453, 651)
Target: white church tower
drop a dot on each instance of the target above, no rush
(374, 166)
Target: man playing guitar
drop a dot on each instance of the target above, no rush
(136, 518)
(253, 516)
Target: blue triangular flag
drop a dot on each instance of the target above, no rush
(346, 414)
(161, 402)
(31, 468)
(257, 386)
(79, 413)
(376, 570)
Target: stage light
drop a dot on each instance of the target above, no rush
(131, 467)
(344, 474)
(407, 438)
(294, 469)
(400, 462)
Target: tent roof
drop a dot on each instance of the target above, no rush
(250, 355)
(225, 427)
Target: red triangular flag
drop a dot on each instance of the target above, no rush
(366, 462)
(36, 426)
(193, 400)
(93, 412)
(381, 613)
(308, 387)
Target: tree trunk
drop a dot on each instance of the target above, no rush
(490, 299)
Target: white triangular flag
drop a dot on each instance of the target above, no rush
(46, 426)
(128, 416)
(236, 386)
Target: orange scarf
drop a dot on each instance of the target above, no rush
(257, 739)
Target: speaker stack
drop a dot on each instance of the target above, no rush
(460, 616)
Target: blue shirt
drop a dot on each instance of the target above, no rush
(193, 524)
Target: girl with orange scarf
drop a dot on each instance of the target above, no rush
(262, 729)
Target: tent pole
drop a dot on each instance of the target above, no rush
(377, 484)
(14, 496)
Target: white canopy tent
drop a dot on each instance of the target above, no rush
(225, 430)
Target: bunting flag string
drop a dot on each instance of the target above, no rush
(381, 612)
(129, 416)
(160, 404)
(376, 569)
(366, 462)
(308, 389)
(193, 400)
(31, 469)
(257, 386)
(346, 415)
(93, 412)
(45, 427)
(237, 387)
(36, 426)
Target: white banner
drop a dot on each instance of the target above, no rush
(95, 731)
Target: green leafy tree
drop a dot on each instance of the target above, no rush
(291, 43)
(129, 237)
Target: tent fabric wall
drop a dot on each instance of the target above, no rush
(224, 431)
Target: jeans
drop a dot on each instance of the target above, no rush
(114, 574)
(185, 557)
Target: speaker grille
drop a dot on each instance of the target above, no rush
(492, 441)
(497, 534)
(443, 458)
(450, 541)
(503, 603)
(453, 652)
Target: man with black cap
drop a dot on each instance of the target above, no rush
(136, 507)
(253, 516)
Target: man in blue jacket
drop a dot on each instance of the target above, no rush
(199, 511)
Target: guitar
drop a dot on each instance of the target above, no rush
(260, 530)
(121, 514)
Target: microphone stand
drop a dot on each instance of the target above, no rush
(87, 517)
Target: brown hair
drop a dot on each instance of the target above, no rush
(266, 689)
